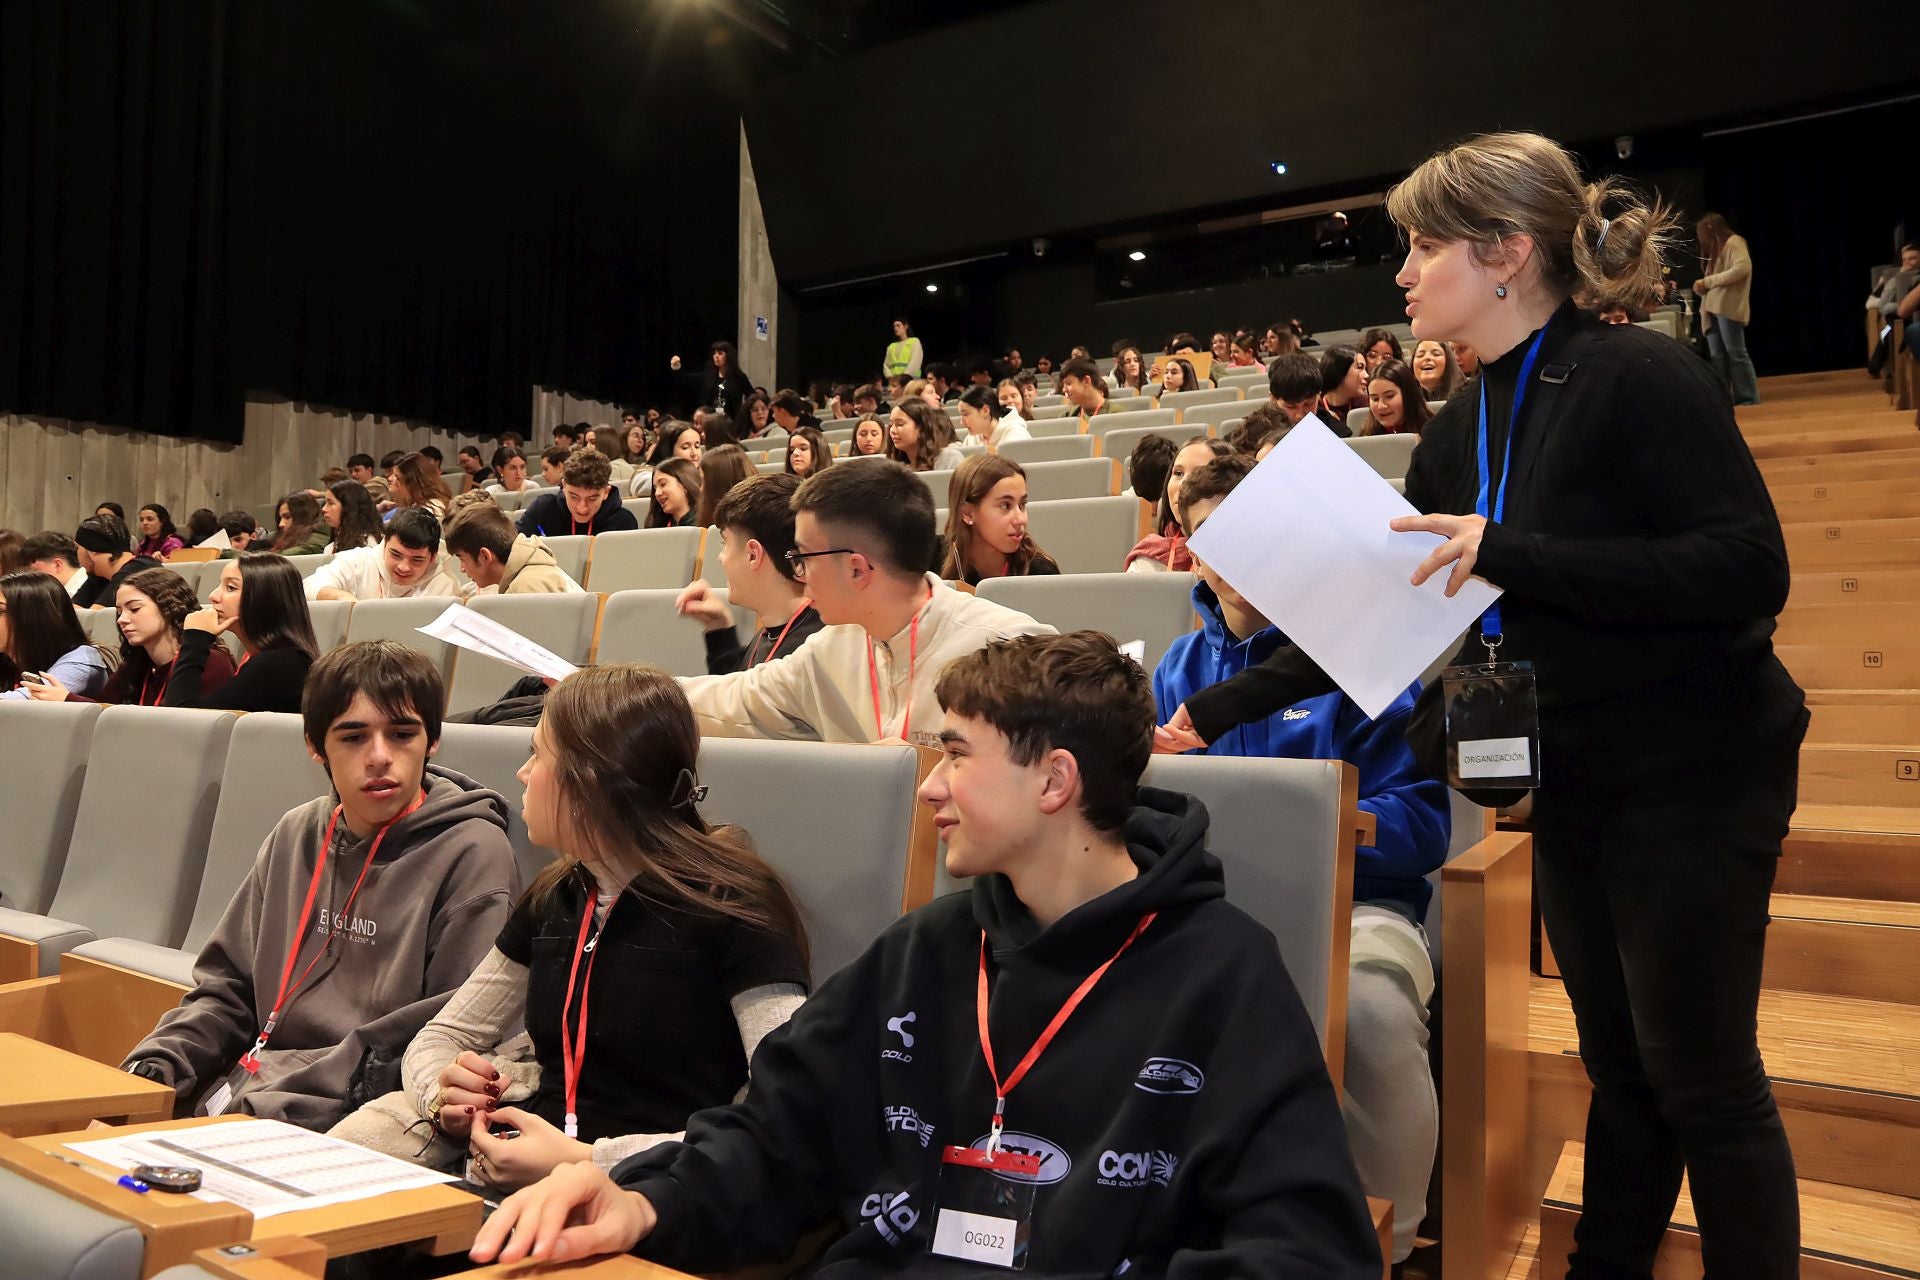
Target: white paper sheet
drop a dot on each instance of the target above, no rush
(463, 628)
(219, 541)
(1305, 539)
(264, 1166)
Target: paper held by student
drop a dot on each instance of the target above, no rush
(218, 540)
(463, 628)
(1305, 539)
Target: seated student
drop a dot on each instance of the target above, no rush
(351, 518)
(259, 600)
(1084, 388)
(869, 437)
(1264, 426)
(1129, 370)
(679, 440)
(302, 531)
(756, 531)
(716, 429)
(1178, 375)
(569, 437)
(1293, 383)
(1043, 367)
(1377, 346)
(1433, 366)
(1466, 359)
(201, 525)
(720, 470)
(113, 509)
(676, 494)
(987, 419)
(1396, 403)
(987, 523)
(302, 1017)
(1165, 549)
(499, 561)
(1392, 1114)
(921, 437)
(11, 559)
(102, 543)
(405, 564)
(1096, 904)
(1243, 352)
(606, 442)
(697, 952)
(553, 465)
(242, 532)
(1343, 384)
(54, 553)
(790, 413)
(153, 605)
(807, 452)
(1148, 465)
(360, 468)
(509, 471)
(1017, 396)
(415, 481)
(41, 639)
(434, 458)
(479, 474)
(1220, 346)
(158, 538)
(587, 502)
(863, 536)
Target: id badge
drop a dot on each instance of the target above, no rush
(985, 1207)
(1493, 726)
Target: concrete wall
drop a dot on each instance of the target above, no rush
(759, 284)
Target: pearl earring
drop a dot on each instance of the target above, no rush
(1499, 291)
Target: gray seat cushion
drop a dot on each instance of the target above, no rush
(54, 937)
(169, 964)
(50, 1236)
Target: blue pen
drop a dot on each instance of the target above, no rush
(126, 1180)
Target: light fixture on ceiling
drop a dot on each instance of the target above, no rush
(1138, 255)
(933, 288)
(1279, 168)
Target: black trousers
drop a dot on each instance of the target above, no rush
(1656, 907)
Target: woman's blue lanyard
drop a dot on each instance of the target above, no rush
(1490, 620)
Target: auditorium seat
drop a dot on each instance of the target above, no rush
(1101, 424)
(1357, 422)
(1220, 412)
(1388, 455)
(49, 1235)
(400, 620)
(707, 566)
(1129, 404)
(139, 834)
(939, 484)
(330, 619)
(491, 754)
(1182, 400)
(1072, 478)
(1249, 381)
(307, 564)
(642, 626)
(1059, 409)
(195, 573)
(770, 468)
(1053, 428)
(846, 854)
(641, 558)
(971, 450)
(1048, 401)
(571, 552)
(511, 503)
(1086, 535)
(43, 762)
(1119, 445)
(1154, 607)
(1048, 449)
(562, 624)
(102, 626)
(268, 773)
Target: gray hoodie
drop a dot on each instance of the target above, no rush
(432, 904)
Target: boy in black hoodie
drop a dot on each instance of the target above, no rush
(1178, 1122)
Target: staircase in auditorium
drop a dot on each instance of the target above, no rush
(1840, 1016)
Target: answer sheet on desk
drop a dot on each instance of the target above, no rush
(264, 1166)
(1305, 539)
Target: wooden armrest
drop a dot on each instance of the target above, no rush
(279, 1258)
(1366, 828)
(97, 1010)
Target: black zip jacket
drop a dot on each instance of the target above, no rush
(1183, 1116)
(1641, 558)
(726, 654)
(547, 515)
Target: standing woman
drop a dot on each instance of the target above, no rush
(158, 538)
(1669, 732)
(262, 600)
(40, 635)
(349, 512)
(153, 604)
(722, 386)
(1726, 305)
(904, 356)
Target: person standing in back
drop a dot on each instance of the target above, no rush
(1726, 305)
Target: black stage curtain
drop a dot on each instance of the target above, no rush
(417, 209)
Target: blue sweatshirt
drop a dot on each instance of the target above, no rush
(1415, 817)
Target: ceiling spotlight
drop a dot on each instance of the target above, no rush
(933, 288)
(1138, 255)
(1280, 168)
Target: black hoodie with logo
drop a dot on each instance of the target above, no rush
(1184, 1119)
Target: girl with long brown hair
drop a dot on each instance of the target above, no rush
(153, 606)
(675, 937)
(1726, 290)
(415, 482)
(987, 524)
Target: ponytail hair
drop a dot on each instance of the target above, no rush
(1593, 239)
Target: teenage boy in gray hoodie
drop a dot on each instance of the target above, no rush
(361, 915)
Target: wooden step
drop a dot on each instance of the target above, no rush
(1853, 667)
(1798, 444)
(1855, 947)
(1867, 626)
(1846, 1076)
(1822, 556)
(1852, 531)
(1852, 774)
(1845, 1233)
(1838, 495)
(1835, 862)
(1825, 468)
(1854, 820)
(1865, 584)
(1847, 506)
(1893, 722)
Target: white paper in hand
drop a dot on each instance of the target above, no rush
(1305, 539)
(218, 540)
(465, 629)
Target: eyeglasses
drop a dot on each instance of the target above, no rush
(797, 558)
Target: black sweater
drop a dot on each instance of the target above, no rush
(1183, 1115)
(726, 655)
(1640, 554)
(548, 516)
(271, 680)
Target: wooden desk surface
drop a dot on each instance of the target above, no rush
(442, 1217)
(43, 1088)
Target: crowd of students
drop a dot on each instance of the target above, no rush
(725, 1104)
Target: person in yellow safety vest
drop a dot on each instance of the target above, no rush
(903, 353)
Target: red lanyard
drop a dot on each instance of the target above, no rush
(289, 987)
(163, 685)
(806, 603)
(873, 675)
(573, 1053)
(573, 526)
(1000, 1090)
(245, 658)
